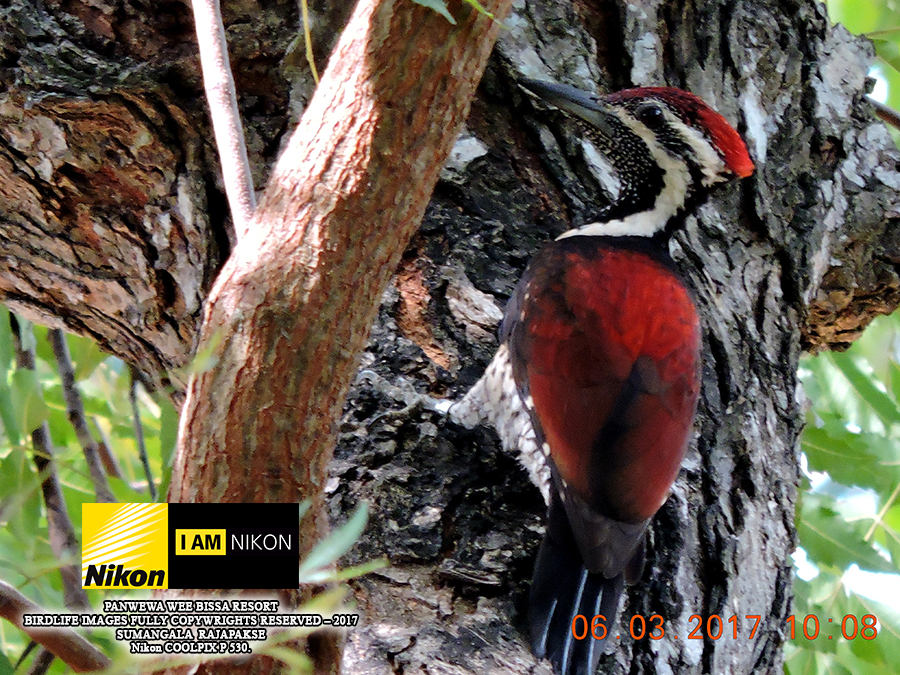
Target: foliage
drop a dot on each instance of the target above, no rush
(29, 398)
(849, 513)
(440, 6)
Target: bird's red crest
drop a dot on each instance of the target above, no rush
(694, 111)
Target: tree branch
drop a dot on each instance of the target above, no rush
(42, 662)
(77, 418)
(292, 307)
(60, 530)
(294, 302)
(885, 113)
(67, 645)
(139, 431)
(223, 108)
(104, 447)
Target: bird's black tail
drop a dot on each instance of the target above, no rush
(561, 590)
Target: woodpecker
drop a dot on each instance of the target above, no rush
(596, 380)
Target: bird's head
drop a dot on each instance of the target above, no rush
(663, 145)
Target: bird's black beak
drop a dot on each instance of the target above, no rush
(589, 107)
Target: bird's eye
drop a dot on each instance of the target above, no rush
(651, 115)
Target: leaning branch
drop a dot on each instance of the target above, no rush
(885, 113)
(77, 418)
(64, 643)
(60, 530)
(291, 309)
(42, 662)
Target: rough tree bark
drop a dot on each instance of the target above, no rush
(112, 224)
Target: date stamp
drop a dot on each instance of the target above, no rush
(715, 627)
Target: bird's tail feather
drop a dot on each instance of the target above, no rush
(561, 590)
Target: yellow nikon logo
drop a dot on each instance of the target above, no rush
(199, 542)
(125, 545)
(158, 545)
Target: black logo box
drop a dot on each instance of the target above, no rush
(257, 568)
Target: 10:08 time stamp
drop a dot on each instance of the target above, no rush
(714, 628)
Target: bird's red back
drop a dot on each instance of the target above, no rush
(609, 345)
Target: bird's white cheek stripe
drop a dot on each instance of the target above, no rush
(668, 203)
(711, 163)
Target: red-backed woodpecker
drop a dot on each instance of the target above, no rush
(596, 380)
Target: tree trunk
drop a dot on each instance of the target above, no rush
(112, 224)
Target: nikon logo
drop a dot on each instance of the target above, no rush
(125, 546)
(118, 577)
(143, 546)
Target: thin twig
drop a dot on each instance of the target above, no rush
(63, 540)
(42, 662)
(879, 518)
(60, 530)
(75, 411)
(223, 108)
(30, 647)
(307, 38)
(104, 447)
(67, 645)
(139, 431)
(885, 113)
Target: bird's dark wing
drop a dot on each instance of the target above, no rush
(605, 351)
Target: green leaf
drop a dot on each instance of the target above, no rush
(28, 400)
(827, 599)
(328, 575)
(7, 350)
(21, 496)
(862, 459)
(8, 414)
(125, 494)
(883, 649)
(6, 668)
(326, 602)
(61, 430)
(891, 522)
(304, 507)
(830, 540)
(847, 660)
(7, 354)
(86, 356)
(894, 372)
(859, 17)
(206, 357)
(335, 545)
(883, 405)
(798, 661)
(438, 6)
(481, 10)
(888, 52)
